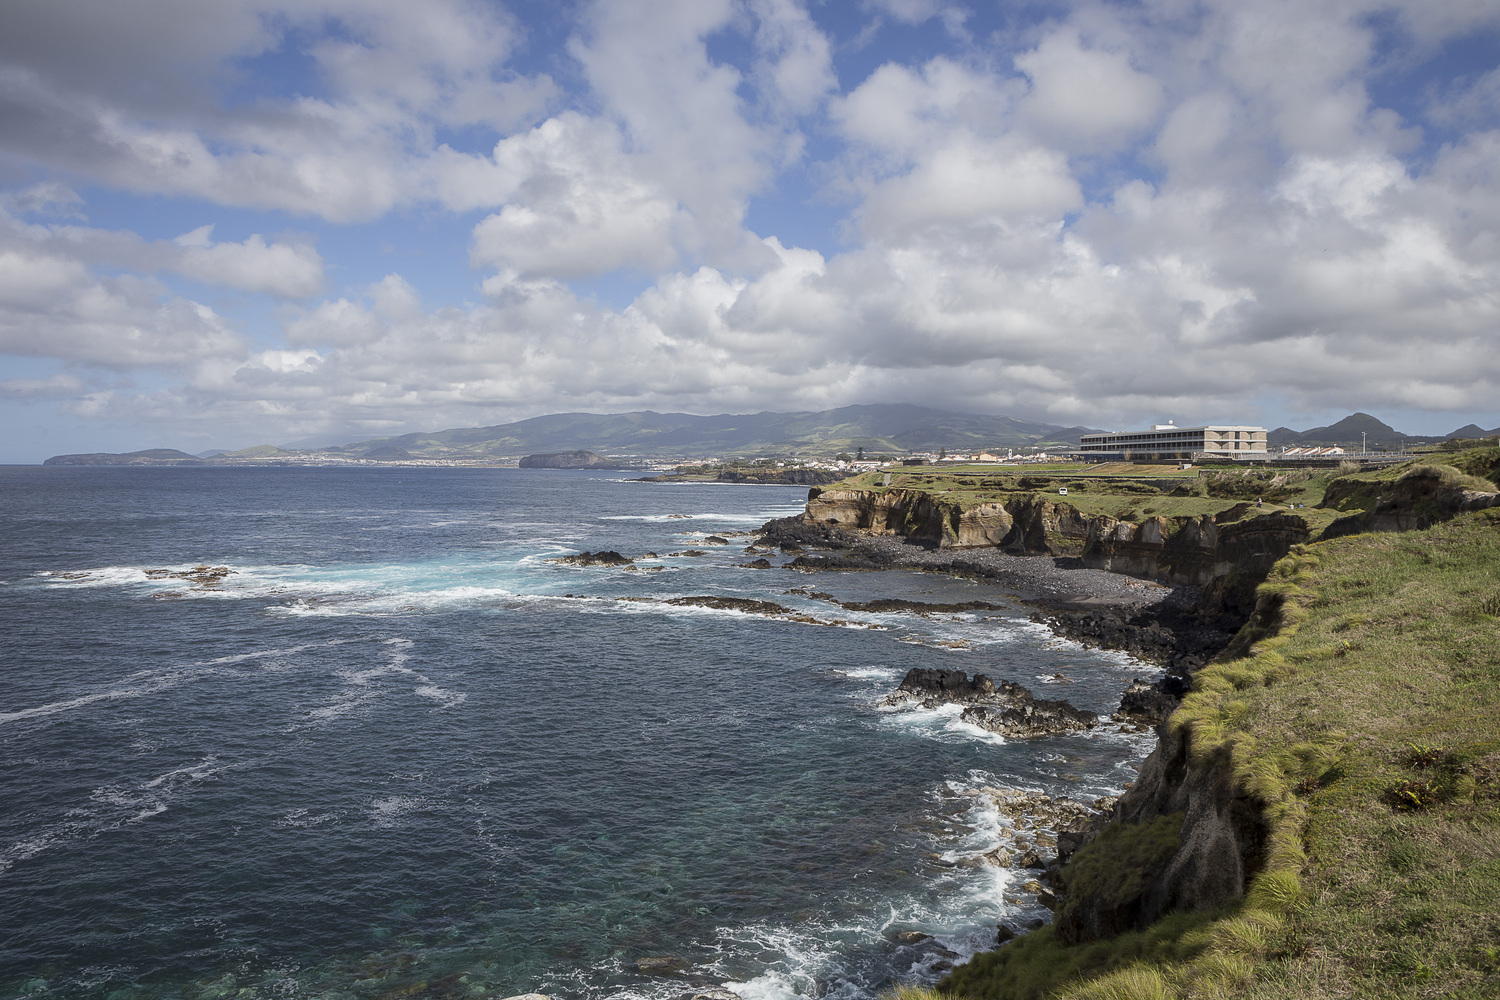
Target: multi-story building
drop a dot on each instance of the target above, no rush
(1167, 441)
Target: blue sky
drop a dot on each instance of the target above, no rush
(231, 223)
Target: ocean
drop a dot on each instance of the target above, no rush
(383, 746)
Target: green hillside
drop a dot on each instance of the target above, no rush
(893, 429)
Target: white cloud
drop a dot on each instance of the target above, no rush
(1138, 212)
(681, 112)
(53, 308)
(795, 66)
(1085, 99)
(970, 183)
(574, 207)
(49, 197)
(59, 385)
(285, 270)
(899, 111)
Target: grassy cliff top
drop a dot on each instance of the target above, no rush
(1126, 492)
(1364, 713)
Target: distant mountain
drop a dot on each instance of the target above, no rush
(151, 456)
(1346, 431)
(1472, 431)
(894, 428)
(1377, 434)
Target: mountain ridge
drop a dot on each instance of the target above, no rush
(888, 428)
(879, 428)
(1362, 428)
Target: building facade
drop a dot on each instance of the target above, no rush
(1166, 441)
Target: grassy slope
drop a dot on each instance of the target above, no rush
(1368, 722)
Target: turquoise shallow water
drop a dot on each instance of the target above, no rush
(387, 756)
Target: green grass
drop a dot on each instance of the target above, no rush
(1365, 716)
(1035, 965)
(1142, 493)
(1113, 869)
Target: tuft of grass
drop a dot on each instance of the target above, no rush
(1448, 476)
(1137, 982)
(1036, 966)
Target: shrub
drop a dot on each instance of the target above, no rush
(1411, 796)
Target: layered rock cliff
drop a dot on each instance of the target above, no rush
(1227, 555)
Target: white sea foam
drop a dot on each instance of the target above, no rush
(328, 591)
(365, 686)
(391, 811)
(717, 516)
(305, 818)
(111, 807)
(145, 686)
(147, 682)
(871, 673)
(942, 723)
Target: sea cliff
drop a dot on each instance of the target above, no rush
(1285, 765)
(1226, 553)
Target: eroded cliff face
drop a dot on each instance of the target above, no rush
(914, 514)
(1412, 503)
(1226, 555)
(1217, 834)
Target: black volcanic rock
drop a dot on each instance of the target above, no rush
(151, 456)
(1005, 708)
(1019, 713)
(1150, 704)
(605, 558)
(945, 685)
(569, 460)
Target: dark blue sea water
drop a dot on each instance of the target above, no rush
(387, 756)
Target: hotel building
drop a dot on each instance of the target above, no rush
(1166, 441)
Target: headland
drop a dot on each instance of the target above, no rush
(1321, 815)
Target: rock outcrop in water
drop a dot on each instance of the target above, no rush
(603, 558)
(1004, 708)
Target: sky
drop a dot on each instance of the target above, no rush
(240, 222)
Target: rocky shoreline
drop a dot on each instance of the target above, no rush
(1171, 626)
(1174, 627)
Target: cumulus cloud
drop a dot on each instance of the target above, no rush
(1084, 98)
(52, 308)
(574, 207)
(126, 96)
(283, 270)
(1120, 213)
(291, 271)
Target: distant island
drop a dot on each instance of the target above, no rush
(570, 460)
(151, 456)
